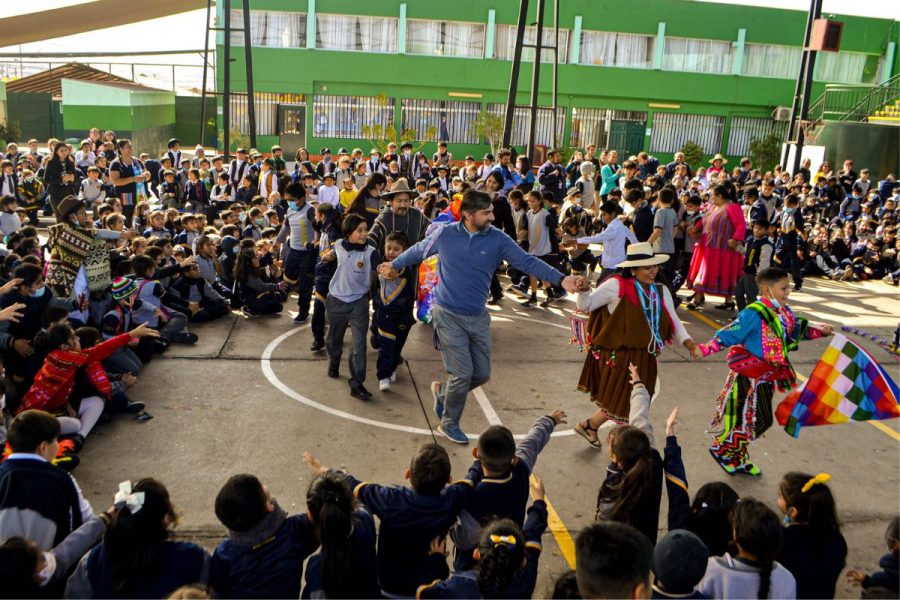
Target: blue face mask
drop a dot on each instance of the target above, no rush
(293, 206)
(260, 221)
(37, 293)
(775, 303)
(235, 250)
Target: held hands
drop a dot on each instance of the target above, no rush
(558, 416)
(385, 269)
(575, 283)
(856, 577)
(697, 353)
(313, 463)
(827, 330)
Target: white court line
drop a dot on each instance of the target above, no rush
(484, 403)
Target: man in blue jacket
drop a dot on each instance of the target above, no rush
(470, 252)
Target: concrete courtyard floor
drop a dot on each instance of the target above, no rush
(250, 397)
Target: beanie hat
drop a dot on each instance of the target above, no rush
(123, 287)
(679, 561)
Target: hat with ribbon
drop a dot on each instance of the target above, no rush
(641, 255)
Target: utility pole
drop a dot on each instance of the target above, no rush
(205, 70)
(514, 74)
(535, 79)
(794, 130)
(248, 65)
(815, 13)
(226, 97)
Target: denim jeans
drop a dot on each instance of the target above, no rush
(466, 350)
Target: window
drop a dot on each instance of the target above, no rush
(848, 67)
(452, 121)
(672, 130)
(505, 43)
(360, 34)
(451, 38)
(617, 49)
(345, 116)
(543, 133)
(272, 29)
(769, 60)
(698, 56)
(266, 107)
(746, 129)
(592, 125)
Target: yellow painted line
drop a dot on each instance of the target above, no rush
(876, 424)
(560, 533)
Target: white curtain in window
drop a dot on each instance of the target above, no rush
(616, 49)
(423, 37)
(258, 20)
(378, 34)
(464, 39)
(840, 67)
(505, 43)
(598, 48)
(698, 56)
(335, 32)
(770, 60)
(281, 30)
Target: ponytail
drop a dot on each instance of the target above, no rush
(632, 448)
(330, 502)
(502, 548)
(814, 503)
(757, 531)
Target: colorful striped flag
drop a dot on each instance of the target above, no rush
(847, 384)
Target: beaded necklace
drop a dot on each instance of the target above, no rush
(651, 306)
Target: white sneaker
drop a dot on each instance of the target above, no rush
(394, 377)
(384, 385)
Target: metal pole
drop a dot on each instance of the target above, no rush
(205, 71)
(555, 70)
(248, 65)
(536, 79)
(795, 103)
(815, 13)
(514, 73)
(226, 88)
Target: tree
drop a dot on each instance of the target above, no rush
(380, 136)
(693, 153)
(9, 132)
(489, 126)
(236, 139)
(766, 152)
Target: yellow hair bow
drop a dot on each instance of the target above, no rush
(503, 539)
(820, 478)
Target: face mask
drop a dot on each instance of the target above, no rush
(775, 304)
(855, 197)
(37, 293)
(260, 221)
(293, 206)
(235, 250)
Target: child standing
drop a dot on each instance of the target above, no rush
(541, 228)
(328, 192)
(812, 547)
(757, 257)
(393, 300)
(348, 302)
(788, 247)
(328, 224)
(92, 191)
(760, 338)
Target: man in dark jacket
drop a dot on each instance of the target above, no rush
(552, 175)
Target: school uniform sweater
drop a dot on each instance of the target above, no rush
(815, 563)
(352, 278)
(409, 521)
(731, 577)
(298, 227)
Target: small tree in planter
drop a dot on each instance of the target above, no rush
(766, 152)
(9, 132)
(489, 126)
(380, 136)
(693, 153)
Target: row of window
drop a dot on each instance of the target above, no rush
(278, 29)
(452, 121)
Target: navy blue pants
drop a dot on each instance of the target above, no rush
(391, 330)
(318, 316)
(300, 270)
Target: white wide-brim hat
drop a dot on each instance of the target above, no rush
(641, 255)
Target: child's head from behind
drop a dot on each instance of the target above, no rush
(500, 554)
(395, 244)
(805, 498)
(613, 561)
(757, 532)
(496, 449)
(243, 502)
(630, 449)
(21, 562)
(679, 562)
(330, 505)
(892, 536)
(429, 470)
(711, 513)
(143, 266)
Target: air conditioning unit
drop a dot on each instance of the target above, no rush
(782, 113)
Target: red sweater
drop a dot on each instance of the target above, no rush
(54, 382)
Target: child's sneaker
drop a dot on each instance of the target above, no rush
(249, 313)
(438, 403)
(384, 384)
(889, 279)
(298, 320)
(453, 433)
(317, 346)
(393, 377)
(185, 337)
(532, 300)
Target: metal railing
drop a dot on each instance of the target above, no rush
(853, 103)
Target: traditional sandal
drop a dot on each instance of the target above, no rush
(748, 468)
(584, 431)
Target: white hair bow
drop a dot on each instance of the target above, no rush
(125, 498)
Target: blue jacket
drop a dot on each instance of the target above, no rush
(265, 562)
(467, 264)
(363, 564)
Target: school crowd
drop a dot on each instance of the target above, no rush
(142, 249)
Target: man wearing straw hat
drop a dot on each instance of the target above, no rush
(470, 251)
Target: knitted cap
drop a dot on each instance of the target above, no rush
(123, 287)
(679, 561)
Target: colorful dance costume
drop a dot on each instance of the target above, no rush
(760, 338)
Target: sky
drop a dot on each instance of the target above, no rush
(185, 32)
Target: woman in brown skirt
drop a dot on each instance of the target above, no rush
(631, 320)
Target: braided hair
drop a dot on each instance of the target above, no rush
(757, 531)
(501, 550)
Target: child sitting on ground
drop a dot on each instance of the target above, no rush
(347, 303)
(200, 302)
(394, 300)
(263, 555)
(505, 561)
(258, 297)
(813, 549)
(889, 576)
(172, 325)
(410, 517)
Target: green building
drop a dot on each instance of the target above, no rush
(648, 78)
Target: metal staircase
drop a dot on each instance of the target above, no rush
(880, 104)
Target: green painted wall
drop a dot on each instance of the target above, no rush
(311, 71)
(187, 120)
(84, 93)
(34, 114)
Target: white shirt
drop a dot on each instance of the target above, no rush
(329, 195)
(7, 186)
(607, 294)
(613, 239)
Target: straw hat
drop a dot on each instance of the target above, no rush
(718, 157)
(641, 255)
(401, 186)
